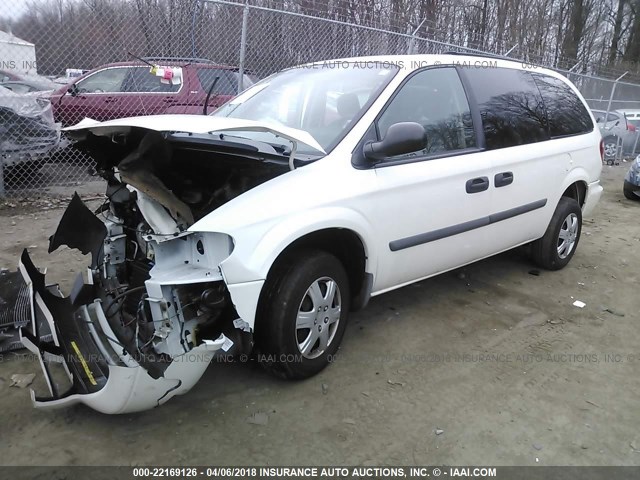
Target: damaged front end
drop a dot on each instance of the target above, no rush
(142, 327)
(153, 309)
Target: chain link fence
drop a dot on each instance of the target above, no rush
(190, 56)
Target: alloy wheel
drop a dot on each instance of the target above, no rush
(318, 317)
(568, 235)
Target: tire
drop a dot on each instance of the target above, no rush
(610, 148)
(553, 251)
(300, 284)
(628, 192)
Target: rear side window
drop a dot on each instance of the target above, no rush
(510, 105)
(612, 117)
(141, 80)
(566, 112)
(227, 83)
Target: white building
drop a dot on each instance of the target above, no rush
(17, 55)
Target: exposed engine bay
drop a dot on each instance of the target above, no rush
(153, 303)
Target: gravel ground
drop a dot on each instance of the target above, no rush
(490, 364)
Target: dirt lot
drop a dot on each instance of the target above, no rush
(490, 364)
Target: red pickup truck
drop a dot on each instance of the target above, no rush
(130, 89)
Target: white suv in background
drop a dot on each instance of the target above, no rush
(261, 227)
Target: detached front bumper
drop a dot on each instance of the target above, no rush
(101, 373)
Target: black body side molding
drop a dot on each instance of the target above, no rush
(441, 233)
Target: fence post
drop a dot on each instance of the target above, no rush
(194, 52)
(511, 50)
(2, 192)
(243, 45)
(413, 37)
(613, 90)
(575, 66)
(606, 119)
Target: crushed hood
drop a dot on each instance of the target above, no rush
(197, 124)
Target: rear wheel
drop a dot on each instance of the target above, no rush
(303, 314)
(554, 250)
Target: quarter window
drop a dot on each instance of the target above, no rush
(434, 98)
(141, 80)
(227, 83)
(567, 113)
(510, 105)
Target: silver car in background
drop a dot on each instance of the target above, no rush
(616, 132)
(633, 117)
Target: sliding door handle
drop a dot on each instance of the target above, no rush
(476, 185)
(503, 179)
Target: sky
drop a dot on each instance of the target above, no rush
(13, 8)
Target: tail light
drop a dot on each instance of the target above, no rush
(631, 127)
(602, 149)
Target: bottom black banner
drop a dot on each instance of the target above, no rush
(320, 472)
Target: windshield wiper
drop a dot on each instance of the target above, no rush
(206, 100)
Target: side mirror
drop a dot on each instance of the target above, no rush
(617, 123)
(401, 138)
(73, 90)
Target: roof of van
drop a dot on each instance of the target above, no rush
(413, 62)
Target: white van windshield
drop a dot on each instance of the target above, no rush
(324, 100)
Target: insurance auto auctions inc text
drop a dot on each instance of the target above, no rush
(376, 472)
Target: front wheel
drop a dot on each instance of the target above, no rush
(554, 250)
(303, 314)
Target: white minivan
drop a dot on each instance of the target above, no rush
(260, 227)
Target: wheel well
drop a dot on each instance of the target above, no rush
(344, 244)
(577, 191)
